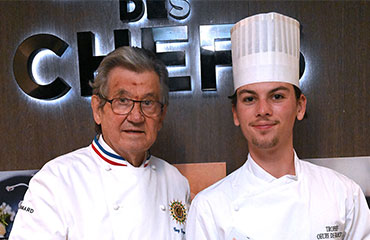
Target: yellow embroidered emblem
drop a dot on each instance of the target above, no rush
(178, 211)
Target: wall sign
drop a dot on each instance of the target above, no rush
(214, 49)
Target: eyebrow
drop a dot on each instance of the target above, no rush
(150, 95)
(281, 88)
(242, 91)
(124, 92)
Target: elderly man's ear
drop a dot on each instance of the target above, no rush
(95, 101)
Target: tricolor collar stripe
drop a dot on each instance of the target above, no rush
(110, 157)
(106, 159)
(105, 151)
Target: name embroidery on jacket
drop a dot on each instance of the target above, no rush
(27, 209)
(332, 232)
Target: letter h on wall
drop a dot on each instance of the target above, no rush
(88, 62)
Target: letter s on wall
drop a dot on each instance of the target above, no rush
(22, 66)
(180, 9)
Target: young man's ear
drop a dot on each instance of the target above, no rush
(301, 107)
(235, 116)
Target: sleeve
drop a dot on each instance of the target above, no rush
(40, 214)
(201, 224)
(358, 218)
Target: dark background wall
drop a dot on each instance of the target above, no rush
(335, 39)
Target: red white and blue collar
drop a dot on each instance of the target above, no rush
(110, 157)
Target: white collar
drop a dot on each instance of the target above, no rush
(106, 153)
(257, 171)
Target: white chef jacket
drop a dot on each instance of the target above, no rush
(316, 203)
(92, 193)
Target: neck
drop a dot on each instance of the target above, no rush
(135, 159)
(276, 161)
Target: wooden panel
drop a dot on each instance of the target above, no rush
(202, 175)
(337, 80)
(199, 127)
(356, 79)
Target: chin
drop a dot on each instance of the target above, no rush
(134, 147)
(265, 144)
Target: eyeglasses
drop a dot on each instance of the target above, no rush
(123, 106)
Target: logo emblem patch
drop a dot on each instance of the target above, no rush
(178, 211)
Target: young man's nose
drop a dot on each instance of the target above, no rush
(263, 108)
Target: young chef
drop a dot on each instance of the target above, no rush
(274, 195)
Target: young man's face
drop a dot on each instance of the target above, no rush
(266, 113)
(134, 133)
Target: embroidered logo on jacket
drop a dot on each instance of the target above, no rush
(178, 211)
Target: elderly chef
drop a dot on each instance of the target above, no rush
(114, 188)
(274, 195)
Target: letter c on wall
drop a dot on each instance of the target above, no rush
(22, 66)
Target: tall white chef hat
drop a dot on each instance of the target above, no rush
(265, 48)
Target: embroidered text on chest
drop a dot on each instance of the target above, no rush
(332, 232)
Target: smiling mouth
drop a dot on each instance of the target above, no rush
(133, 131)
(264, 126)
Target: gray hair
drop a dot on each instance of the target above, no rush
(134, 59)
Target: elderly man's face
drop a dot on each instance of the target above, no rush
(134, 133)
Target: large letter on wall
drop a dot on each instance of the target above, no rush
(88, 62)
(180, 9)
(214, 50)
(134, 15)
(22, 66)
(168, 44)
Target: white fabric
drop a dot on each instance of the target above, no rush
(78, 196)
(316, 203)
(265, 48)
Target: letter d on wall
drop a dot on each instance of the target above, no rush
(22, 66)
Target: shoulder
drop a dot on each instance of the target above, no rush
(323, 172)
(166, 169)
(66, 164)
(328, 178)
(221, 191)
(71, 158)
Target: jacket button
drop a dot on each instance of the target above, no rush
(108, 168)
(154, 167)
(115, 207)
(236, 208)
(162, 207)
